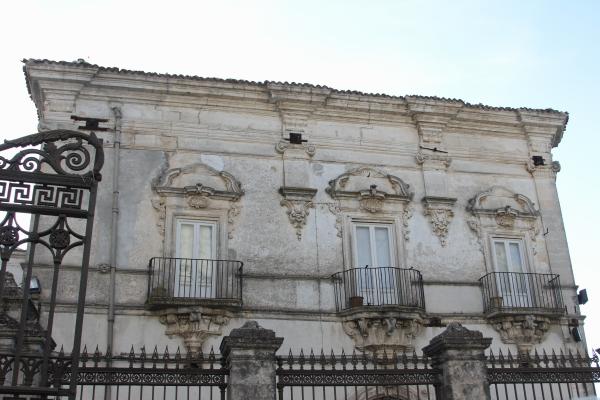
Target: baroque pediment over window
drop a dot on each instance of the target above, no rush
(198, 179)
(503, 203)
(196, 186)
(368, 192)
(372, 188)
(499, 210)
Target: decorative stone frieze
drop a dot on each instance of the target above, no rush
(194, 326)
(523, 330)
(298, 202)
(439, 211)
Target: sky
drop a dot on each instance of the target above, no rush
(538, 54)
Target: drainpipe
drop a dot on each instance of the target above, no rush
(114, 229)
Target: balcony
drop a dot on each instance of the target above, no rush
(187, 282)
(379, 289)
(522, 293)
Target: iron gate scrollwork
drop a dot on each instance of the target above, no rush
(56, 186)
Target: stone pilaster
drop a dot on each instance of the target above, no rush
(459, 353)
(250, 353)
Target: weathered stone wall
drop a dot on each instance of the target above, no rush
(237, 127)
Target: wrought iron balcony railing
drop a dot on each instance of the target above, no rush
(359, 287)
(186, 281)
(522, 292)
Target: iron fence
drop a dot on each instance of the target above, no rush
(542, 376)
(356, 376)
(158, 375)
(358, 287)
(511, 291)
(183, 281)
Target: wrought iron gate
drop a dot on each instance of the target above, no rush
(55, 185)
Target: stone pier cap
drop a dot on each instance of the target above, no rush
(456, 337)
(250, 336)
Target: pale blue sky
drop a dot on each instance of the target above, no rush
(536, 54)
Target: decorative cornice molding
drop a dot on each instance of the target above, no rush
(50, 79)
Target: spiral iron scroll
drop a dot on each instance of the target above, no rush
(69, 159)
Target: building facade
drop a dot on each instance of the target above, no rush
(338, 219)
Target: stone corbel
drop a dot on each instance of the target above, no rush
(523, 330)
(439, 211)
(376, 334)
(439, 160)
(298, 202)
(194, 327)
(284, 145)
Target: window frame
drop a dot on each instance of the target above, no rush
(397, 242)
(507, 240)
(373, 244)
(196, 222)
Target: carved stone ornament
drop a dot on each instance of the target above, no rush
(523, 330)
(378, 333)
(406, 215)
(194, 327)
(439, 211)
(298, 202)
(181, 186)
(442, 160)
(336, 210)
(283, 145)
(371, 200)
(359, 182)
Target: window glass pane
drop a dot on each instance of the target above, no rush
(363, 246)
(501, 260)
(515, 257)
(382, 242)
(186, 240)
(205, 244)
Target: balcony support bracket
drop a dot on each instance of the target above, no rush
(383, 331)
(194, 326)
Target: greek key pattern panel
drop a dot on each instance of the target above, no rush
(46, 195)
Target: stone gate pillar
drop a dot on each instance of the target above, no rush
(250, 353)
(459, 353)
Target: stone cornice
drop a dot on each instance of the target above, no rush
(67, 81)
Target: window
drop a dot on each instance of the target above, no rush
(513, 283)
(373, 245)
(195, 251)
(374, 257)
